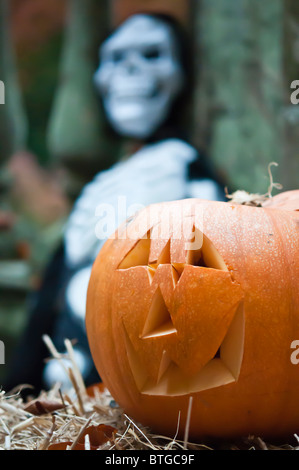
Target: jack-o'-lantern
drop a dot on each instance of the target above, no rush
(201, 299)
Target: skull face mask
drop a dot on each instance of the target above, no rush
(140, 75)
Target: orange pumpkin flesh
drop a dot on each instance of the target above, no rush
(165, 322)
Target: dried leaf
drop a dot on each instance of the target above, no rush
(42, 406)
(241, 197)
(93, 390)
(60, 446)
(98, 436)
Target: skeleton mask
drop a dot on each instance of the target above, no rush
(139, 75)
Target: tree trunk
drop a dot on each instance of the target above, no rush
(76, 135)
(240, 90)
(13, 125)
(291, 114)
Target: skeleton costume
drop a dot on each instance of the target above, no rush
(140, 75)
(139, 78)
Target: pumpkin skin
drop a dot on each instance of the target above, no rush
(289, 200)
(165, 323)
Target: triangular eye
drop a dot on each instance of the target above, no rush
(139, 254)
(211, 257)
(164, 257)
(158, 322)
(202, 252)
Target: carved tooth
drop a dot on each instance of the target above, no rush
(231, 351)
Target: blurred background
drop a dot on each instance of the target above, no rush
(53, 136)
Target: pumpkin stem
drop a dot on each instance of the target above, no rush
(272, 184)
(244, 198)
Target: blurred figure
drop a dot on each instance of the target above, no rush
(142, 79)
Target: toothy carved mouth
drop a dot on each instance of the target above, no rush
(171, 379)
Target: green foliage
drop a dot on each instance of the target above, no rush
(39, 75)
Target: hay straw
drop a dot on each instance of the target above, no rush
(46, 443)
(20, 430)
(75, 369)
(81, 432)
(187, 427)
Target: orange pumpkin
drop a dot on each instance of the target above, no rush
(199, 298)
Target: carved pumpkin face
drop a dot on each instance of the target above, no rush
(188, 300)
